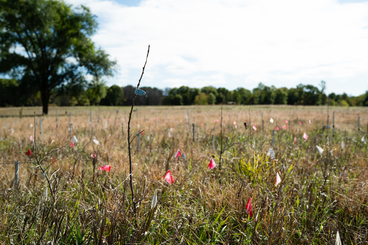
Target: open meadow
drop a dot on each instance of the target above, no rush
(61, 196)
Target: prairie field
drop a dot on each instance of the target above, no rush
(60, 195)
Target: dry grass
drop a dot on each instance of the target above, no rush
(203, 206)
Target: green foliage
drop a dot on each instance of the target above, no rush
(344, 103)
(96, 91)
(310, 94)
(242, 96)
(114, 96)
(211, 99)
(281, 97)
(207, 90)
(224, 95)
(187, 94)
(365, 100)
(173, 100)
(8, 92)
(51, 34)
(201, 99)
(264, 95)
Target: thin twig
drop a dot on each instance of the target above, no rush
(129, 141)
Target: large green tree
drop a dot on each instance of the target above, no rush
(114, 96)
(46, 43)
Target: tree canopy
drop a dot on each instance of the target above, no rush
(46, 44)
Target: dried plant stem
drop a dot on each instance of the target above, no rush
(129, 141)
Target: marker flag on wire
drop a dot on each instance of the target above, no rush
(168, 177)
(72, 144)
(140, 92)
(271, 153)
(254, 127)
(305, 136)
(286, 121)
(277, 179)
(29, 153)
(234, 122)
(319, 149)
(31, 138)
(75, 139)
(310, 121)
(212, 164)
(105, 167)
(300, 122)
(248, 208)
(154, 200)
(217, 120)
(177, 154)
(277, 128)
(363, 140)
(294, 140)
(284, 127)
(93, 155)
(338, 240)
(271, 120)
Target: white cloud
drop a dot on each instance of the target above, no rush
(281, 42)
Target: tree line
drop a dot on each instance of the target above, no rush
(15, 93)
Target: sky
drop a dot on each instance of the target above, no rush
(235, 43)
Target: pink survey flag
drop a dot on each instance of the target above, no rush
(202, 125)
(31, 138)
(286, 121)
(212, 164)
(310, 121)
(277, 179)
(284, 127)
(217, 120)
(93, 155)
(168, 177)
(277, 128)
(294, 140)
(105, 167)
(72, 144)
(172, 129)
(109, 119)
(305, 136)
(248, 208)
(300, 122)
(234, 122)
(177, 154)
(254, 127)
(29, 153)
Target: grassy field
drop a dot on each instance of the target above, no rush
(62, 197)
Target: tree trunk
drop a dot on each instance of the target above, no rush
(45, 96)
